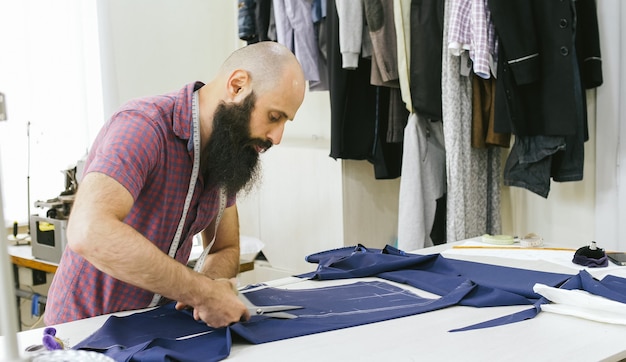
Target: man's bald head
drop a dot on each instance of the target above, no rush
(267, 63)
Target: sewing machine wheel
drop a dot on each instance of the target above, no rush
(52, 213)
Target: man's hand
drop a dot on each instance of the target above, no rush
(218, 304)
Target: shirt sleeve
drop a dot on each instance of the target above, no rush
(127, 150)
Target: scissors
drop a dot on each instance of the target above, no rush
(273, 311)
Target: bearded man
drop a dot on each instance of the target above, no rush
(162, 170)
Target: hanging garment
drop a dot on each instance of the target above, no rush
(473, 175)
(398, 116)
(382, 31)
(386, 156)
(533, 72)
(352, 99)
(427, 22)
(402, 20)
(472, 31)
(352, 34)
(530, 161)
(262, 17)
(385, 70)
(295, 30)
(423, 182)
(537, 75)
(483, 115)
(318, 10)
(358, 110)
(246, 22)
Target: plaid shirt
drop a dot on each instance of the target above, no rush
(147, 147)
(471, 29)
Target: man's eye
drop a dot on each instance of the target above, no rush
(274, 118)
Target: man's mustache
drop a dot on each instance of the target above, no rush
(264, 145)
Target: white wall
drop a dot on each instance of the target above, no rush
(297, 209)
(610, 210)
(157, 46)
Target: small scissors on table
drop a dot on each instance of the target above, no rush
(273, 311)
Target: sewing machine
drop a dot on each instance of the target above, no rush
(48, 233)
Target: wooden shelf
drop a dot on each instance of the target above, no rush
(33, 264)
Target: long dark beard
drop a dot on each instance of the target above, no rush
(230, 159)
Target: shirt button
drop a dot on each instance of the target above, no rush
(563, 23)
(564, 51)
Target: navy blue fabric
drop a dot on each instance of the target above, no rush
(611, 287)
(496, 285)
(590, 262)
(511, 318)
(154, 335)
(158, 335)
(358, 262)
(480, 296)
(616, 284)
(338, 307)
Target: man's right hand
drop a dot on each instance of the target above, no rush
(218, 304)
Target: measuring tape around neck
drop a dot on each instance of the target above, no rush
(192, 186)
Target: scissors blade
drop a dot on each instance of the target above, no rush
(262, 309)
(281, 315)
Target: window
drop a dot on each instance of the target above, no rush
(50, 75)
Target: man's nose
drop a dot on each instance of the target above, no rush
(275, 134)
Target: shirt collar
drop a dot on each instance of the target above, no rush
(183, 115)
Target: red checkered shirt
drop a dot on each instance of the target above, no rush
(147, 147)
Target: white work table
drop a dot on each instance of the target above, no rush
(425, 337)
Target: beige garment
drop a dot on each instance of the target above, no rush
(402, 18)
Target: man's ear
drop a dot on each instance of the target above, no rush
(238, 84)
